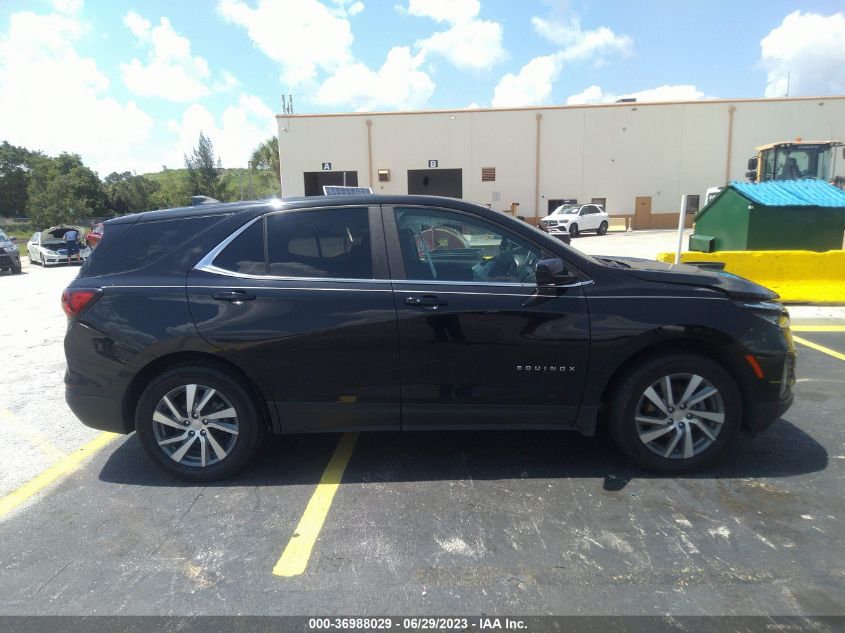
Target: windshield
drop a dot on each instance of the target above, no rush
(4, 237)
(566, 209)
(796, 162)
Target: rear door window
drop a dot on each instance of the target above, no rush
(323, 243)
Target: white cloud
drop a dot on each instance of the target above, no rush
(58, 100)
(355, 8)
(531, 86)
(68, 6)
(469, 43)
(302, 36)
(227, 82)
(807, 51)
(593, 94)
(171, 71)
(138, 25)
(582, 45)
(240, 129)
(398, 84)
(474, 44)
(452, 11)
(678, 92)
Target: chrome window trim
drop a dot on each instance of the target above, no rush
(205, 262)
(216, 270)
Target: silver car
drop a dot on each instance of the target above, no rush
(49, 247)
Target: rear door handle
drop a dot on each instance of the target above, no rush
(233, 296)
(426, 301)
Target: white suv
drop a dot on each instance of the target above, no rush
(575, 219)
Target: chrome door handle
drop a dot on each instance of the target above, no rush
(233, 296)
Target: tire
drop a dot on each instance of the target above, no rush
(633, 416)
(573, 230)
(165, 443)
(602, 228)
(16, 270)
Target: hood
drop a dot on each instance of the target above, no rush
(57, 233)
(732, 285)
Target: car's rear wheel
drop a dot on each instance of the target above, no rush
(573, 230)
(676, 413)
(602, 228)
(199, 422)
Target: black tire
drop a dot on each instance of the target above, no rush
(602, 228)
(16, 270)
(573, 230)
(249, 421)
(630, 393)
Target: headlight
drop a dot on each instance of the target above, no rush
(769, 311)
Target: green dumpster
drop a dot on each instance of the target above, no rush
(777, 215)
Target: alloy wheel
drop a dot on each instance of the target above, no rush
(195, 425)
(679, 416)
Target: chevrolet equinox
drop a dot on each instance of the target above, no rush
(205, 328)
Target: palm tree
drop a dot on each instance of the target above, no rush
(266, 156)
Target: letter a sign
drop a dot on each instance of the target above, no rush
(327, 166)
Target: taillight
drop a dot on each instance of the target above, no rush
(75, 300)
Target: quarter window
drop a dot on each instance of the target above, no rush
(446, 246)
(245, 254)
(331, 243)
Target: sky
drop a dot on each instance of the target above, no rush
(129, 84)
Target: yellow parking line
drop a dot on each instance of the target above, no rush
(817, 328)
(294, 559)
(820, 348)
(64, 466)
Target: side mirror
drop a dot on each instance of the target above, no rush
(552, 272)
(13, 240)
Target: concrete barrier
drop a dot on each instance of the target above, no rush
(797, 276)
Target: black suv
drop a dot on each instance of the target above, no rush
(205, 328)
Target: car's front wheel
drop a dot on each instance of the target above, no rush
(573, 230)
(676, 413)
(199, 422)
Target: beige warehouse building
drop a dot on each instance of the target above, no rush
(635, 158)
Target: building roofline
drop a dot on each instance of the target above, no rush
(631, 104)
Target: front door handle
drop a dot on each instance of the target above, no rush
(426, 301)
(233, 296)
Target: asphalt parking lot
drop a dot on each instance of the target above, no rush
(437, 523)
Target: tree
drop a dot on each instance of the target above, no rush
(205, 172)
(266, 157)
(63, 190)
(129, 193)
(15, 166)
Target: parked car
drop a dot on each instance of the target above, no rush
(576, 219)
(555, 229)
(48, 247)
(205, 328)
(10, 257)
(94, 235)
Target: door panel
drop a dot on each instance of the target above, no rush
(642, 213)
(482, 353)
(323, 350)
